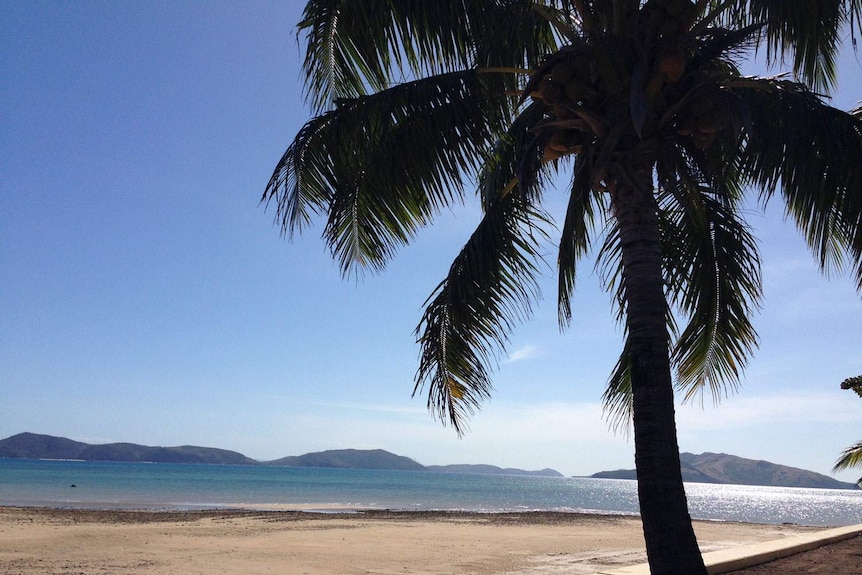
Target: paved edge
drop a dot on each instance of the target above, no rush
(735, 558)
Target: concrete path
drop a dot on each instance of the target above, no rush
(736, 558)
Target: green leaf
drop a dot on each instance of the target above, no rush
(490, 285)
(357, 47)
(806, 31)
(809, 151)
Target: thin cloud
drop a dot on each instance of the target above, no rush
(524, 353)
(763, 410)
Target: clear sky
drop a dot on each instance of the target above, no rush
(146, 296)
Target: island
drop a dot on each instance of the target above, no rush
(733, 470)
(37, 446)
(703, 468)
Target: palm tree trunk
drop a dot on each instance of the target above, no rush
(670, 541)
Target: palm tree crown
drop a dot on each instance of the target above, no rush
(643, 107)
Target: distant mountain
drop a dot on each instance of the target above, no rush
(491, 470)
(729, 469)
(35, 446)
(350, 459)
(704, 468)
(379, 459)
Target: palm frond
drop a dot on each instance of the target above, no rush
(806, 31)
(683, 162)
(490, 286)
(811, 152)
(382, 165)
(854, 383)
(352, 47)
(850, 457)
(300, 184)
(856, 242)
(585, 207)
(713, 277)
(716, 45)
(609, 267)
(711, 259)
(527, 40)
(618, 398)
(512, 160)
(356, 47)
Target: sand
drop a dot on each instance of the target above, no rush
(50, 541)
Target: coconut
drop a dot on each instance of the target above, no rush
(561, 112)
(561, 73)
(574, 89)
(701, 106)
(671, 65)
(551, 93)
(669, 27)
(581, 69)
(549, 154)
(686, 126)
(703, 140)
(559, 141)
(710, 123)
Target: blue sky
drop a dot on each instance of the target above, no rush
(146, 296)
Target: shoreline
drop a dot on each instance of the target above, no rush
(336, 510)
(328, 511)
(42, 541)
(326, 507)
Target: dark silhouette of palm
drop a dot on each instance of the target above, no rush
(852, 456)
(642, 106)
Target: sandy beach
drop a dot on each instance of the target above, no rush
(37, 541)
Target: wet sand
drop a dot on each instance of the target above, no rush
(39, 541)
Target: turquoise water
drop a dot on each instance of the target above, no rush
(176, 486)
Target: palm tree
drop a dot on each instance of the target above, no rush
(852, 456)
(642, 106)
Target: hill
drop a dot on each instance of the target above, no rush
(350, 459)
(379, 459)
(35, 446)
(704, 468)
(491, 470)
(730, 469)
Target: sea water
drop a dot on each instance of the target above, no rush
(161, 486)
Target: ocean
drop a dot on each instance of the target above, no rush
(165, 486)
